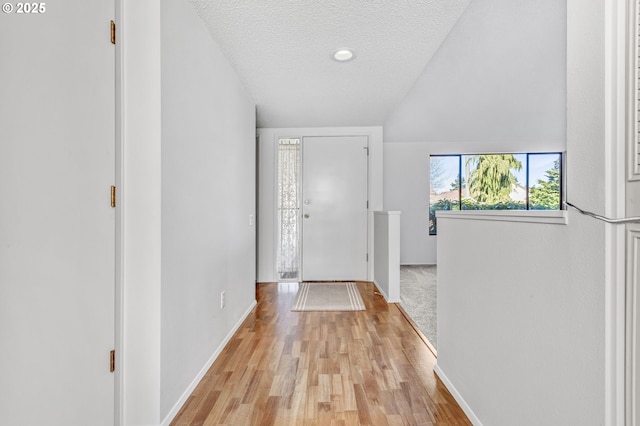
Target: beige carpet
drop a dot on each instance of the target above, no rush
(320, 296)
(418, 297)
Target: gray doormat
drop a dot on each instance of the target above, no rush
(323, 296)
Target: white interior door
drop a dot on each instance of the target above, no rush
(334, 208)
(57, 133)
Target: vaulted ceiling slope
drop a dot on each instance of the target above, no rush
(282, 51)
(500, 77)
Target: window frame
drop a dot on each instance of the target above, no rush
(561, 187)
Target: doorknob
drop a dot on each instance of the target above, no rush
(306, 215)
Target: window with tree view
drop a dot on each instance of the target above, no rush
(530, 181)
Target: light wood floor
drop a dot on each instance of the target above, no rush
(322, 368)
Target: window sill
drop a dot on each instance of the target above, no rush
(556, 217)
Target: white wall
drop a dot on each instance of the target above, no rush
(497, 84)
(267, 182)
(406, 188)
(522, 308)
(518, 327)
(499, 75)
(208, 195)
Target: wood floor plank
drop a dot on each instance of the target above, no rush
(322, 368)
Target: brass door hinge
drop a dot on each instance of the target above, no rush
(113, 32)
(113, 196)
(112, 361)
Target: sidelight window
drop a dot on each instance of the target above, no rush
(288, 206)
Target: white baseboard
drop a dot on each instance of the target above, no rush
(178, 405)
(456, 395)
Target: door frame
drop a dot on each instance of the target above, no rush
(270, 136)
(138, 212)
(618, 239)
(119, 232)
(624, 20)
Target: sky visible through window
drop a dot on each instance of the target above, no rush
(538, 166)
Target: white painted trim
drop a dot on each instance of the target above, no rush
(119, 231)
(556, 217)
(187, 393)
(457, 396)
(631, 365)
(615, 104)
(628, 43)
(140, 208)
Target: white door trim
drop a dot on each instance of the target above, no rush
(138, 174)
(269, 138)
(628, 44)
(631, 365)
(616, 134)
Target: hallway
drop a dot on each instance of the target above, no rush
(339, 368)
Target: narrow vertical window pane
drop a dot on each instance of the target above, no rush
(444, 192)
(288, 204)
(544, 181)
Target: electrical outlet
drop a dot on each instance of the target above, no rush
(222, 299)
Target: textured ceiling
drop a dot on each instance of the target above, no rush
(282, 50)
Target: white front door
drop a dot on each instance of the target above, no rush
(57, 140)
(334, 208)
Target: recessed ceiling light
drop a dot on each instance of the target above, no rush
(343, 55)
